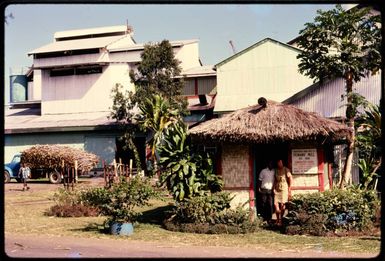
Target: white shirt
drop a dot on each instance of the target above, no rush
(266, 176)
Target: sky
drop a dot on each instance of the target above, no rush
(33, 26)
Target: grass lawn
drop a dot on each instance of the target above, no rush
(24, 213)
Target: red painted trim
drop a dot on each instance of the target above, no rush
(320, 155)
(251, 177)
(196, 86)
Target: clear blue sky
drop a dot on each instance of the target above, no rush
(214, 25)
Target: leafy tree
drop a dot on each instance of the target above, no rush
(158, 72)
(343, 44)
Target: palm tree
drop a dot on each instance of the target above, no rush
(156, 114)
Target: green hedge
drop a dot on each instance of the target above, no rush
(210, 214)
(333, 210)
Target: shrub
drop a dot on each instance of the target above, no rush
(95, 197)
(77, 210)
(333, 210)
(73, 204)
(210, 214)
(122, 199)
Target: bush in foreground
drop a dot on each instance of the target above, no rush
(332, 211)
(210, 214)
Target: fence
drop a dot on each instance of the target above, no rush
(113, 172)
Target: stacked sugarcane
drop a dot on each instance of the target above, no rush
(57, 156)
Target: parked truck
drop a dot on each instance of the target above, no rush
(11, 171)
(50, 161)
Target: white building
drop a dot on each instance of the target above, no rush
(76, 72)
(69, 98)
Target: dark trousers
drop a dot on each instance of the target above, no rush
(266, 204)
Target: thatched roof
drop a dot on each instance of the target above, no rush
(275, 122)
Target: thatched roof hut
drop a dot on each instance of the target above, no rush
(271, 122)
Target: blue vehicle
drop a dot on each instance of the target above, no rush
(11, 171)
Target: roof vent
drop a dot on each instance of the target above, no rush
(262, 101)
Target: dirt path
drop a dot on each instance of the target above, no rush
(17, 245)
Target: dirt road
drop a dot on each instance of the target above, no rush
(71, 247)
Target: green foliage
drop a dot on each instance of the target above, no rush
(185, 174)
(368, 174)
(156, 114)
(339, 210)
(157, 93)
(203, 209)
(71, 204)
(210, 214)
(66, 197)
(340, 42)
(124, 197)
(94, 197)
(123, 113)
(178, 171)
(157, 73)
(209, 180)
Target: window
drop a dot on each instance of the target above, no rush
(76, 71)
(62, 72)
(89, 70)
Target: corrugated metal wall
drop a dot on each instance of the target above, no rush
(269, 70)
(326, 100)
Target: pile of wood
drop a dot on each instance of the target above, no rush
(54, 156)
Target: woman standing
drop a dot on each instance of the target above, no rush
(282, 189)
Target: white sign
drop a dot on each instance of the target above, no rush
(304, 161)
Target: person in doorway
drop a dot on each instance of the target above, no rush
(265, 189)
(24, 175)
(281, 189)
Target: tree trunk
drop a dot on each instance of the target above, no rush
(347, 174)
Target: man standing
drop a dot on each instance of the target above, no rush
(265, 189)
(24, 174)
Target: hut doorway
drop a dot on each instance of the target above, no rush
(262, 153)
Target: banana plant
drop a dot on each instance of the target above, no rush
(179, 171)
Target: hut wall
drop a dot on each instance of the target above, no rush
(240, 197)
(235, 166)
(235, 172)
(305, 180)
